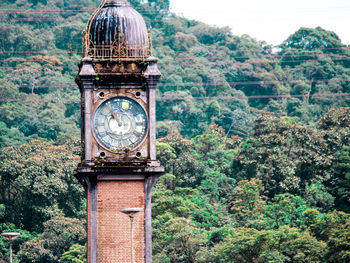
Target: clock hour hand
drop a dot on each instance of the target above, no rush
(115, 116)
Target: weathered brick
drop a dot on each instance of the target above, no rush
(114, 226)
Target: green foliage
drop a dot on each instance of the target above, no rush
(24, 236)
(309, 38)
(335, 125)
(152, 9)
(284, 245)
(339, 244)
(182, 163)
(37, 183)
(2, 210)
(247, 201)
(59, 234)
(75, 254)
(34, 251)
(286, 157)
(9, 137)
(211, 35)
(316, 195)
(322, 225)
(244, 218)
(173, 203)
(341, 182)
(178, 240)
(285, 209)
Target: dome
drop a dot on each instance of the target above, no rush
(116, 30)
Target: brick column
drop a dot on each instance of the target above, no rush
(113, 239)
(108, 191)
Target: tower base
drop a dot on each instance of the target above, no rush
(109, 190)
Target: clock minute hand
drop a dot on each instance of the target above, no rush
(115, 116)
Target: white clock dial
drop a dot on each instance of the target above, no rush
(120, 124)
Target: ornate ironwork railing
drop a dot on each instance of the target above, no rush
(118, 50)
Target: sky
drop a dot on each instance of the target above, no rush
(269, 20)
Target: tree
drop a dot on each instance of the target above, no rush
(59, 234)
(10, 137)
(182, 42)
(169, 204)
(317, 59)
(340, 183)
(68, 35)
(152, 10)
(317, 195)
(21, 37)
(285, 156)
(24, 236)
(37, 183)
(247, 202)
(284, 245)
(314, 38)
(210, 35)
(284, 210)
(214, 139)
(322, 225)
(178, 241)
(76, 254)
(339, 244)
(335, 126)
(185, 164)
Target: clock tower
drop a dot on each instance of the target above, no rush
(117, 78)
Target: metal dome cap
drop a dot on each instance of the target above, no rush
(116, 31)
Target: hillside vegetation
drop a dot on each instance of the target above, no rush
(255, 139)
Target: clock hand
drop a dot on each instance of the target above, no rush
(115, 116)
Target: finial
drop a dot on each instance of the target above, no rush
(109, 3)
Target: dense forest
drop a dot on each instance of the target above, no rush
(255, 140)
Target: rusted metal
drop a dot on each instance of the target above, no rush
(116, 31)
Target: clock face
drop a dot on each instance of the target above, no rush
(120, 124)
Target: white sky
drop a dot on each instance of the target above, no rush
(269, 20)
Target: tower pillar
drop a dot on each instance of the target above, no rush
(118, 79)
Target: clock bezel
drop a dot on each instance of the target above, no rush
(138, 101)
